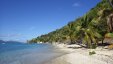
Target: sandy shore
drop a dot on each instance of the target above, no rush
(81, 56)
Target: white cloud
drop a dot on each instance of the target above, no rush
(76, 4)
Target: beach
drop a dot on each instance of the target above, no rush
(81, 56)
(53, 54)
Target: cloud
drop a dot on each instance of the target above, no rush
(76, 4)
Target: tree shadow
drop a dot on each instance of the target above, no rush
(103, 44)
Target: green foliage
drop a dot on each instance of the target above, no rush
(94, 46)
(89, 28)
(91, 53)
(109, 35)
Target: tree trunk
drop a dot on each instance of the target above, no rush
(110, 22)
(110, 18)
(102, 41)
(91, 41)
(111, 3)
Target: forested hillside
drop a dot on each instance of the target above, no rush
(90, 28)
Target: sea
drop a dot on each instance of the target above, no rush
(22, 53)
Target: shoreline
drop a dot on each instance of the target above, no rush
(81, 55)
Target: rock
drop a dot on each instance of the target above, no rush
(106, 47)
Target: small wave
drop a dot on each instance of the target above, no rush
(3, 43)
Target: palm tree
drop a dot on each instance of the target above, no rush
(89, 33)
(71, 31)
(110, 18)
(110, 22)
(111, 3)
(90, 36)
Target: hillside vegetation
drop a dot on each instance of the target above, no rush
(88, 29)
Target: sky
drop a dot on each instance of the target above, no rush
(22, 20)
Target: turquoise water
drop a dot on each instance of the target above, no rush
(19, 53)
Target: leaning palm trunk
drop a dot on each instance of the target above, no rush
(110, 22)
(111, 3)
(91, 41)
(110, 18)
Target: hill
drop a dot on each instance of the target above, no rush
(88, 29)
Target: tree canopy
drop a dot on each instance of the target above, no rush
(89, 28)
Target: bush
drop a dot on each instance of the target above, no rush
(91, 53)
(94, 46)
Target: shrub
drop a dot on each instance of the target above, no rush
(94, 46)
(91, 53)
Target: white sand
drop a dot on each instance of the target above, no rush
(81, 56)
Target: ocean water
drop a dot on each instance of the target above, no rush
(19, 53)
